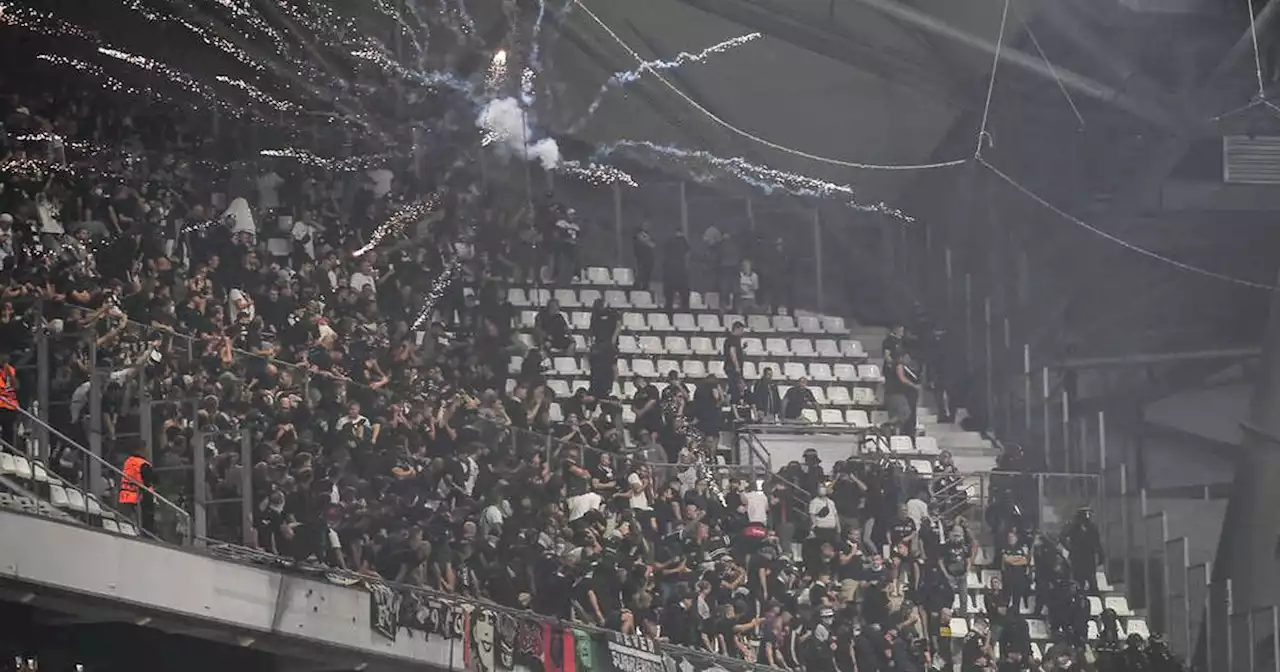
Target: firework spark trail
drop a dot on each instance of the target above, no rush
(174, 75)
(764, 178)
(681, 59)
(496, 77)
(535, 54)
(394, 14)
(257, 95)
(41, 22)
(527, 79)
(452, 271)
(309, 158)
(374, 53)
(110, 83)
(596, 174)
(425, 26)
(468, 25)
(401, 218)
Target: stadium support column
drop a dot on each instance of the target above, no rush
(1247, 547)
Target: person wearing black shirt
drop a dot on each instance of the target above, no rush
(797, 399)
(1015, 565)
(679, 623)
(893, 345)
(644, 247)
(734, 359)
(647, 405)
(1084, 542)
(764, 396)
(956, 564)
(553, 329)
(902, 393)
(675, 271)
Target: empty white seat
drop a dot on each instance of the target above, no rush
(869, 373)
(959, 627)
(555, 413)
(927, 444)
(852, 348)
(57, 496)
(127, 529)
(708, 322)
(92, 506)
(627, 345)
(7, 465)
(580, 342)
(580, 321)
(513, 367)
(753, 347)
(528, 318)
(567, 298)
(1118, 604)
(865, 396)
(540, 297)
(598, 275)
(777, 347)
(826, 347)
(660, 385)
(832, 416)
(749, 371)
(660, 322)
(509, 386)
(1095, 605)
(782, 390)
(715, 368)
(75, 500)
(1103, 584)
(846, 372)
(820, 398)
(21, 467)
(644, 367)
(1137, 626)
(834, 325)
(38, 473)
(759, 324)
(809, 325)
(696, 302)
(857, 417)
(587, 297)
(794, 371)
(1093, 631)
(703, 346)
(560, 388)
(517, 297)
(110, 526)
(809, 415)
(785, 324)
(616, 298)
(565, 366)
(623, 277)
(684, 322)
(712, 299)
(634, 322)
(821, 372)
(802, 347)
(629, 390)
(666, 366)
(642, 299)
(901, 444)
(922, 467)
(651, 345)
(694, 368)
(1037, 628)
(838, 395)
(628, 414)
(676, 345)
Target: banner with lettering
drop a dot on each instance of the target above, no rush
(628, 653)
(384, 609)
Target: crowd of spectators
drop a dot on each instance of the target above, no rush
(241, 301)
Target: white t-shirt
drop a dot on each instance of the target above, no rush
(359, 281)
(748, 283)
(827, 522)
(757, 506)
(268, 190)
(579, 505)
(917, 510)
(639, 500)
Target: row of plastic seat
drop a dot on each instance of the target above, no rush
(62, 497)
(689, 319)
(643, 367)
(1039, 630)
(823, 348)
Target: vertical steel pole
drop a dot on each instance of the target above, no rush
(968, 321)
(199, 491)
(1026, 388)
(1044, 418)
(751, 217)
(617, 223)
(43, 378)
(684, 209)
(817, 258)
(96, 485)
(246, 487)
(145, 421)
(1066, 432)
(987, 339)
(1125, 531)
(1102, 442)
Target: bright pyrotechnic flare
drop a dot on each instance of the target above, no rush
(398, 220)
(497, 75)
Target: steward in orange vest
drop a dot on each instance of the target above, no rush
(135, 495)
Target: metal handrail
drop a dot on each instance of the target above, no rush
(123, 476)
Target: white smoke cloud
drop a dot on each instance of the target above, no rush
(503, 122)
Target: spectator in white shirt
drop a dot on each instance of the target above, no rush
(365, 277)
(823, 517)
(268, 190)
(757, 505)
(748, 285)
